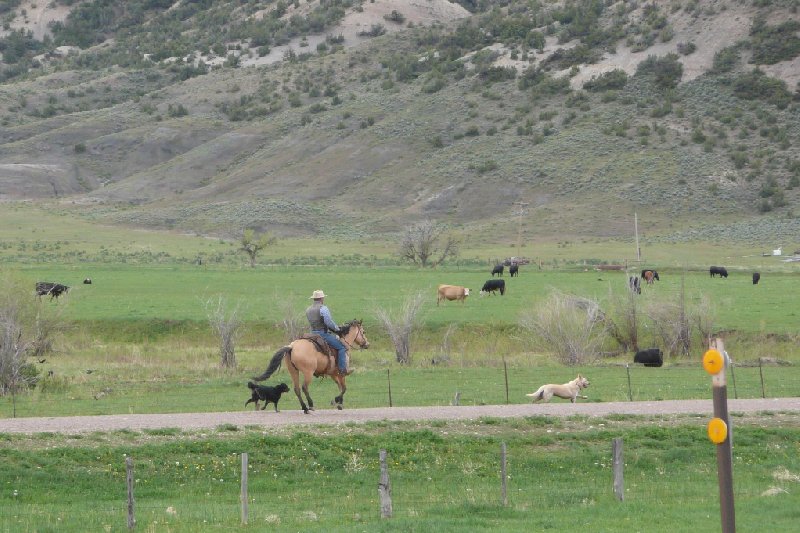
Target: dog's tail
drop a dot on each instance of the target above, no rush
(538, 395)
(274, 364)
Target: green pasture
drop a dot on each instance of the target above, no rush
(174, 293)
(445, 476)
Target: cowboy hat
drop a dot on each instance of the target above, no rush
(317, 294)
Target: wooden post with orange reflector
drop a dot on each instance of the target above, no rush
(719, 432)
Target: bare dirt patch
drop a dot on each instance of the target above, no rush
(328, 417)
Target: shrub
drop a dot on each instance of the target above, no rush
(666, 71)
(686, 48)
(571, 326)
(395, 16)
(773, 44)
(611, 80)
(725, 60)
(756, 85)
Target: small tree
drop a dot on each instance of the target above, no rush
(252, 243)
(402, 325)
(227, 325)
(427, 244)
(623, 325)
(27, 328)
(572, 327)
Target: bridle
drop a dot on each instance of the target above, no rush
(359, 335)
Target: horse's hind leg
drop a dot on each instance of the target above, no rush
(307, 377)
(299, 396)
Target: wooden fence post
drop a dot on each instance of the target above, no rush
(389, 379)
(385, 488)
(244, 488)
(129, 480)
(618, 468)
(505, 371)
(761, 373)
(503, 474)
(720, 432)
(630, 393)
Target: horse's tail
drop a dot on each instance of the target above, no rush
(274, 364)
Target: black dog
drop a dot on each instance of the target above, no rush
(266, 394)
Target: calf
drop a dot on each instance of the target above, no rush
(87, 281)
(498, 269)
(652, 357)
(513, 269)
(756, 277)
(451, 292)
(493, 285)
(633, 285)
(649, 276)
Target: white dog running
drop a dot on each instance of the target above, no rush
(568, 390)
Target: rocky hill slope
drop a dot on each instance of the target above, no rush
(347, 119)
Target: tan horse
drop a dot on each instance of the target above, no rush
(302, 357)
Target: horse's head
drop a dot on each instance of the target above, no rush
(361, 337)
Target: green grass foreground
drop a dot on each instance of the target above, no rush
(444, 475)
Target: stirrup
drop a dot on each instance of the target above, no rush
(346, 372)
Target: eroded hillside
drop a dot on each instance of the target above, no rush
(348, 119)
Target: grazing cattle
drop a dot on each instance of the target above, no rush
(756, 277)
(44, 288)
(649, 276)
(451, 292)
(87, 281)
(652, 357)
(513, 269)
(722, 271)
(498, 269)
(633, 285)
(493, 285)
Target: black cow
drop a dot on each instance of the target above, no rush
(87, 281)
(513, 269)
(651, 357)
(498, 269)
(722, 271)
(492, 285)
(633, 284)
(44, 288)
(756, 277)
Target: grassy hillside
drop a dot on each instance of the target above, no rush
(579, 112)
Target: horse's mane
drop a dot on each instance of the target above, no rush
(345, 328)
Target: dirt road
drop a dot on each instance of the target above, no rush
(293, 417)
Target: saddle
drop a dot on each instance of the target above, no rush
(322, 347)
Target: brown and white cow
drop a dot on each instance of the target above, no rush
(451, 292)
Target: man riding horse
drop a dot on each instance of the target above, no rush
(322, 324)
